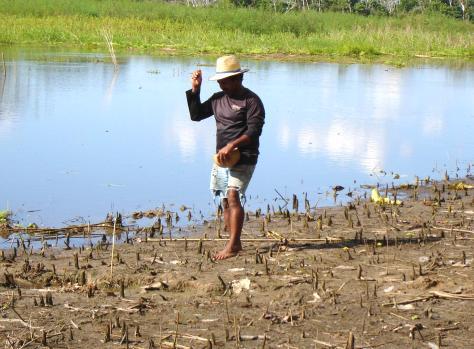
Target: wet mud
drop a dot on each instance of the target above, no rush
(362, 275)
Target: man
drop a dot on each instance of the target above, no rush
(239, 115)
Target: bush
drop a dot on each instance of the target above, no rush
(407, 5)
(361, 8)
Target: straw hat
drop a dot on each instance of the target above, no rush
(227, 66)
(233, 159)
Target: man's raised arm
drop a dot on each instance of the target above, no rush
(197, 110)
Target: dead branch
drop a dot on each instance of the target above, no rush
(452, 229)
(409, 301)
(447, 295)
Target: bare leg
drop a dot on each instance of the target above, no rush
(236, 221)
(225, 205)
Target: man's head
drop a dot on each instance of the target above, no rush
(231, 85)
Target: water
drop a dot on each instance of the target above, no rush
(79, 140)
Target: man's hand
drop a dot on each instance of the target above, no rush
(224, 153)
(196, 80)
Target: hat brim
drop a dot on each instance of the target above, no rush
(220, 76)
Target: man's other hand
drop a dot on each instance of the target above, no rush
(224, 153)
(196, 80)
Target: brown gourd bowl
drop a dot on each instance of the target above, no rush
(231, 160)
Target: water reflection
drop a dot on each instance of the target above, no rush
(85, 140)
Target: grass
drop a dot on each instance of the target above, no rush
(4, 215)
(155, 26)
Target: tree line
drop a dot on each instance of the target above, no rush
(461, 9)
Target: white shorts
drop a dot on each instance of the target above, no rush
(237, 177)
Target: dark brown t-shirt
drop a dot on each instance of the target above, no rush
(235, 116)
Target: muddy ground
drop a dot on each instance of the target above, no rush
(363, 275)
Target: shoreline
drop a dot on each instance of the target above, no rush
(175, 224)
(388, 60)
(382, 58)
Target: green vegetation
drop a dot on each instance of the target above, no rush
(4, 216)
(158, 26)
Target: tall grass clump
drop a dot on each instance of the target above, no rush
(152, 26)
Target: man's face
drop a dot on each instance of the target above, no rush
(231, 85)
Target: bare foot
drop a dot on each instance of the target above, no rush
(228, 252)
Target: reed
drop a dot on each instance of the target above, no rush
(110, 46)
(4, 76)
(112, 253)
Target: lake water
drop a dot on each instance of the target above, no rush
(78, 140)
